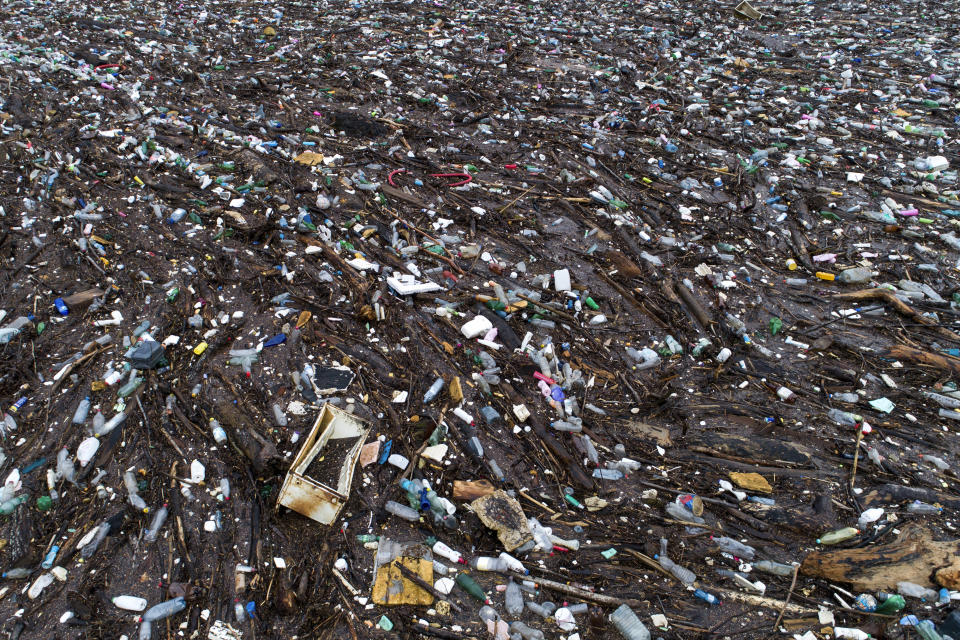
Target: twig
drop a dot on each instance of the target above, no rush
(856, 455)
(793, 583)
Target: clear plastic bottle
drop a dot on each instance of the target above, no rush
(83, 409)
(130, 482)
(219, 435)
(735, 548)
(539, 609)
(279, 416)
(433, 391)
(628, 624)
(165, 609)
(678, 512)
(91, 547)
(513, 599)
(39, 585)
(923, 508)
(110, 424)
(65, 468)
(913, 590)
(608, 474)
(529, 633)
(98, 421)
(684, 575)
(158, 519)
(776, 568)
(843, 418)
(402, 511)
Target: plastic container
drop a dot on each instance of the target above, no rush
(838, 536)
(628, 624)
(402, 511)
(164, 609)
(129, 603)
(513, 599)
(735, 548)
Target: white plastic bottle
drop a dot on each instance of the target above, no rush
(129, 603)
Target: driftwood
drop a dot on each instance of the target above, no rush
(914, 557)
(752, 449)
(901, 307)
(940, 361)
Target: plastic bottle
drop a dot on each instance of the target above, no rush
(98, 421)
(402, 511)
(158, 519)
(110, 425)
(65, 468)
(219, 435)
(776, 568)
(470, 585)
(80, 415)
(146, 630)
(433, 391)
(131, 484)
(9, 506)
(239, 613)
(91, 547)
(709, 598)
(843, 418)
(164, 609)
(513, 599)
(87, 449)
(50, 558)
(528, 633)
(890, 603)
(443, 550)
(16, 573)
(913, 590)
(838, 536)
(279, 416)
(39, 585)
(541, 610)
(735, 548)
(129, 603)
(608, 474)
(513, 564)
(923, 508)
(678, 512)
(628, 624)
(486, 563)
(684, 575)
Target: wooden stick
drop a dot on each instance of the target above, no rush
(856, 455)
(899, 306)
(793, 583)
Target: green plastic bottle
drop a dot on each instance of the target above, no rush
(892, 604)
(838, 536)
(470, 585)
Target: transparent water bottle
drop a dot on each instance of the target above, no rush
(402, 511)
(158, 519)
(83, 409)
(735, 548)
(628, 624)
(513, 599)
(165, 609)
(684, 575)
